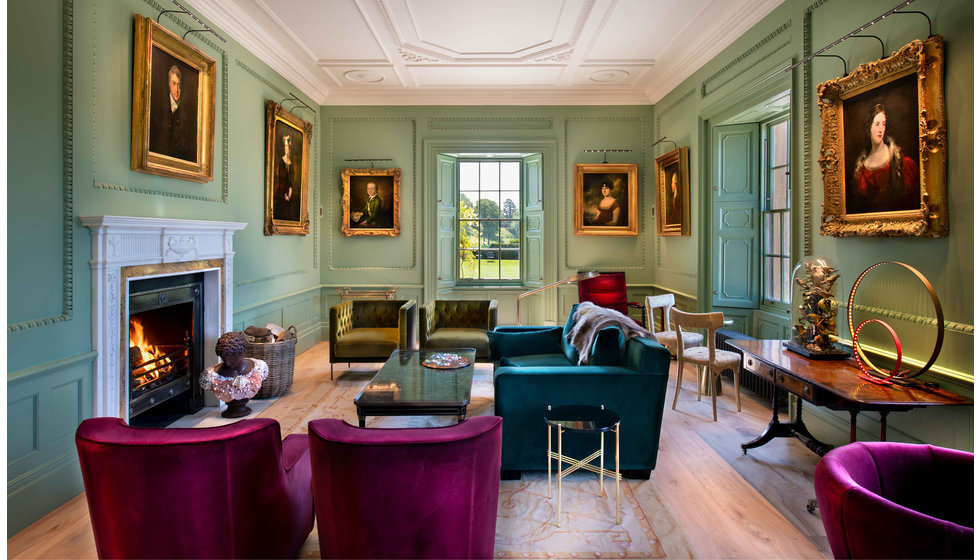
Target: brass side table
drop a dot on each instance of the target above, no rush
(583, 419)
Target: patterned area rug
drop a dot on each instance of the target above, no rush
(527, 520)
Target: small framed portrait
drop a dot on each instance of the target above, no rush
(673, 194)
(883, 150)
(287, 171)
(371, 202)
(173, 105)
(606, 199)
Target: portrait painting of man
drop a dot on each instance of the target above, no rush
(881, 149)
(673, 198)
(173, 106)
(371, 202)
(673, 202)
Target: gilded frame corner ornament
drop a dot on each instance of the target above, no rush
(371, 211)
(173, 138)
(673, 206)
(919, 64)
(287, 181)
(592, 216)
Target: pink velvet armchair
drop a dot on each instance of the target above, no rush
(408, 492)
(234, 491)
(896, 500)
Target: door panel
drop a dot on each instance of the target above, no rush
(735, 216)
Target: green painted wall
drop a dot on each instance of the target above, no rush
(412, 136)
(69, 103)
(750, 71)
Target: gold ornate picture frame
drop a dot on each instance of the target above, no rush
(673, 193)
(371, 202)
(287, 171)
(606, 199)
(883, 150)
(173, 105)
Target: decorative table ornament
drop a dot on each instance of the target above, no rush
(815, 310)
(445, 360)
(869, 371)
(236, 379)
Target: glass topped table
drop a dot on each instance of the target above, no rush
(405, 387)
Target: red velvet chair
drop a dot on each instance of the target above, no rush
(234, 491)
(896, 500)
(406, 492)
(608, 289)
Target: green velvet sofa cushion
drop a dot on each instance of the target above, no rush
(366, 343)
(460, 338)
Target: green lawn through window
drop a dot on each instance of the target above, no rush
(509, 269)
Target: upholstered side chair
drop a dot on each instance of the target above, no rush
(233, 491)
(707, 359)
(896, 500)
(369, 330)
(608, 289)
(667, 336)
(406, 492)
(445, 324)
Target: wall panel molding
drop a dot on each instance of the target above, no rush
(490, 123)
(775, 33)
(563, 202)
(951, 326)
(68, 178)
(314, 185)
(808, 129)
(331, 210)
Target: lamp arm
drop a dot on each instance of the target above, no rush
(576, 278)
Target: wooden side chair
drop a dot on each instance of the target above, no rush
(704, 357)
(666, 335)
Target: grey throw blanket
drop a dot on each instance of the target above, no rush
(590, 319)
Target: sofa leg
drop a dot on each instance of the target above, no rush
(510, 475)
(331, 372)
(636, 474)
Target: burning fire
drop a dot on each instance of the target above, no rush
(141, 351)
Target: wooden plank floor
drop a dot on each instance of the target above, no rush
(705, 499)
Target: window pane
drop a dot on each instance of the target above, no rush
(787, 233)
(469, 175)
(490, 235)
(767, 271)
(511, 205)
(469, 234)
(488, 206)
(776, 228)
(489, 175)
(468, 265)
(510, 175)
(489, 265)
(787, 279)
(467, 204)
(510, 264)
(778, 192)
(779, 143)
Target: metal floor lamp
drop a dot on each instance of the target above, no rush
(576, 278)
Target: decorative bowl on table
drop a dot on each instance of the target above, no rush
(445, 360)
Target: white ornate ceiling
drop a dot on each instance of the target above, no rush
(485, 52)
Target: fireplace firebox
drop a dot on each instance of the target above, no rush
(165, 359)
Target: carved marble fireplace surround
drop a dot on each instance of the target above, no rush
(127, 248)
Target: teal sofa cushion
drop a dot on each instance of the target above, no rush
(540, 341)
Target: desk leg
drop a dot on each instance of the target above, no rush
(361, 419)
(854, 423)
(884, 426)
(787, 429)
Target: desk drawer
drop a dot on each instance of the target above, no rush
(758, 368)
(794, 385)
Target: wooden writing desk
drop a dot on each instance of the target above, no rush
(833, 384)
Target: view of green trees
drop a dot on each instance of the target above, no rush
(489, 239)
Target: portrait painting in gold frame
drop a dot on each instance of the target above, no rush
(173, 105)
(883, 149)
(606, 199)
(287, 171)
(673, 194)
(371, 202)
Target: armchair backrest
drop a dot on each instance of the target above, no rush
(188, 493)
(465, 314)
(663, 302)
(376, 313)
(608, 289)
(406, 493)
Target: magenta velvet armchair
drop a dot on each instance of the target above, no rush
(896, 500)
(406, 492)
(234, 491)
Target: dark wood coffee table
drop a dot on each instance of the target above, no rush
(405, 387)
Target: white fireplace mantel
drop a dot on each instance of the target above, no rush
(129, 241)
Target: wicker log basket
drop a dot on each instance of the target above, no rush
(281, 357)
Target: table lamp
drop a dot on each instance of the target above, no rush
(575, 278)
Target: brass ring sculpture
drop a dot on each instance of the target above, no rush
(859, 353)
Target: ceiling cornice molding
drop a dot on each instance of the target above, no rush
(231, 19)
(496, 96)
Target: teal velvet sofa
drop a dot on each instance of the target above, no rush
(536, 366)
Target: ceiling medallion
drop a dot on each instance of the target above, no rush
(606, 76)
(363, 76)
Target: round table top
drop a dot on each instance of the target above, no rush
(582, 418)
